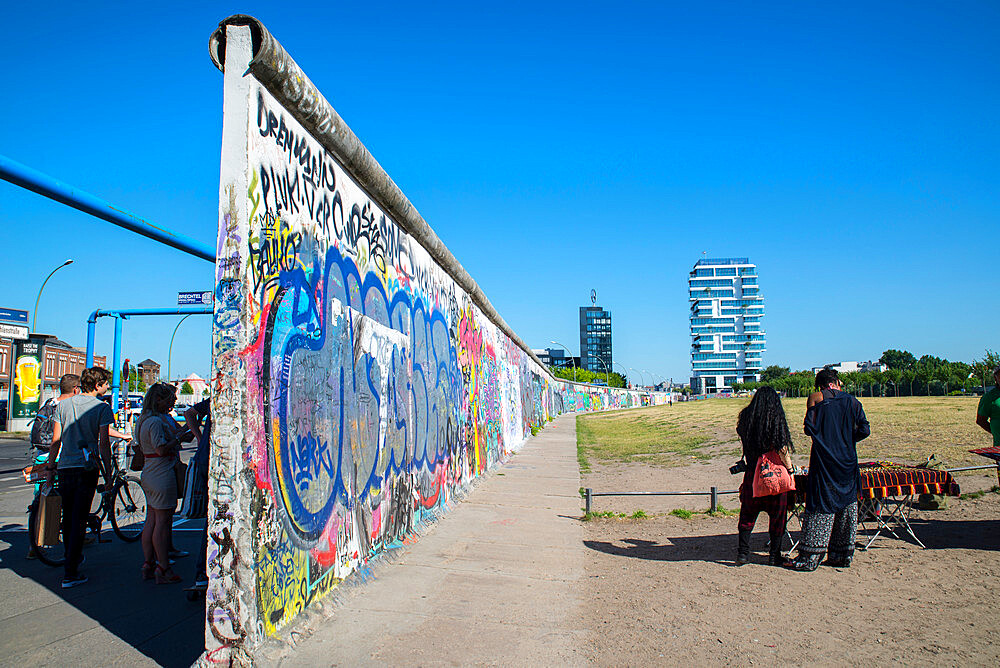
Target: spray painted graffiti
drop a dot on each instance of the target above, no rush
(375, 389)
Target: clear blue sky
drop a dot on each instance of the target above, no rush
(852, 152)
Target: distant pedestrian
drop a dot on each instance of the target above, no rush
(199, 478)
(79, 441)
(763, 429)
(836, 422)
(988, 413)
(157, 435)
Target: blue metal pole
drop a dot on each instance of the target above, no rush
(91, 325)
(116, 377)
(119, 314)
(175, 310)
(35, 181)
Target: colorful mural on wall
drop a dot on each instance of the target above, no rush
(357, 388)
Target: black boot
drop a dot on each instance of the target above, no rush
(776, 558)
(806, 562)
(743, 550)
(840, 562)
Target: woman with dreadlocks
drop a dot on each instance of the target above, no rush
(762, 428)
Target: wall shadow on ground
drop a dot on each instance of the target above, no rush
(720, 549)
(935, 534)
(155, 620)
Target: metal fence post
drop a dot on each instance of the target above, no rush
(715, 499)
(588, 497)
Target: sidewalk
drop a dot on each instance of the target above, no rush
(497, 580)
(114, 619)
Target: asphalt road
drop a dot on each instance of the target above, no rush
(15, 494)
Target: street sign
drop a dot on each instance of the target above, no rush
(16, 332)
(13, 315)
(194, 298)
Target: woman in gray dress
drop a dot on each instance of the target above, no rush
(157, 432)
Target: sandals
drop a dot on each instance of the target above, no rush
(166, 575)
(147, 570)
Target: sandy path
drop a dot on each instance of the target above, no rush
(664, 590)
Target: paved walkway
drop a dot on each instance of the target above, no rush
(114, 619)
(497, 581)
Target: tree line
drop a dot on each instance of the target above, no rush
(585, 376)
(906, 376)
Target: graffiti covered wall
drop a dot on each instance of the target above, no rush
(357, 388)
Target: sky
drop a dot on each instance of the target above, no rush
(851, 151)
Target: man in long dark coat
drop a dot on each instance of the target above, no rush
(835, 421)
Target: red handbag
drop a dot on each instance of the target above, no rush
(771, 476)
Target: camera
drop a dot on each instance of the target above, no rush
(738, 467)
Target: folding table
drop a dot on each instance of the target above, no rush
(886, 496)
(992, 452)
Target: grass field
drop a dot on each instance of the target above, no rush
(905, 430)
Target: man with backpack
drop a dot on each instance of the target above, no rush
(79, 440)
(41, 428)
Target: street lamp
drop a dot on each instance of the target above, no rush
(34, 314)
(170, 350)
(571, 360)
(607, 376)
(641, 377)
(650, 376)
(625, 377)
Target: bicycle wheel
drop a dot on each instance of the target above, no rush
(128, 509)
(51, 555)
(97, 514)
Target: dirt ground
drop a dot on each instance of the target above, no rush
(665, 591)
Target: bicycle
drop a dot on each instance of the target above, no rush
(122, 501)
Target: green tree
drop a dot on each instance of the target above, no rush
(585, 376)
(931, 361)
(925, 373)
(898, 359)
(186, 388)
(892, 377)
(983, 369)
(851, 380)
(774, 372)
(875, 378)
(944, 374)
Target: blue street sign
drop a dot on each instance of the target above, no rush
(194, 298)
(13, 315)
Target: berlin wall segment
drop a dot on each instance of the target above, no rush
(356, 387)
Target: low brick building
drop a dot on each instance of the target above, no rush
(149, 371)
(59, 358)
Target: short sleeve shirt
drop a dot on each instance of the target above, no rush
(989, 406)
(154, 432)
(81, 418)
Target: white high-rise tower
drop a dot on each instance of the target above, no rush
(727, 339)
